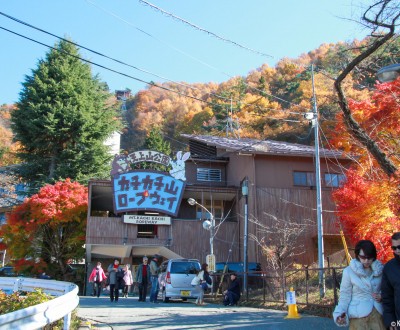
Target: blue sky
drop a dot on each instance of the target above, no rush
(137, 34)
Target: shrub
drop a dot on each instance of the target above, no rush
(18, 300)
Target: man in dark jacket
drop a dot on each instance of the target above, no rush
(391, 287)
(143, 278)
(232, 294)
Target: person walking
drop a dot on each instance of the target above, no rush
(360, 304)
(143, 278)
(232, 294)
(391, 287)
(97, 276)
(154, 271)
(128, 280)
(115, 272)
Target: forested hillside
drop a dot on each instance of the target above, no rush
(268, 103)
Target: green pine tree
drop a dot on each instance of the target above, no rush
(63, 120)
(155, 141)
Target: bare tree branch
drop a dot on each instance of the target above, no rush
(386, 17)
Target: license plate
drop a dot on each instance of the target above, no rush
(185, 293)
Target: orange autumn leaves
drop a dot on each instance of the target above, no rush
(368, 203)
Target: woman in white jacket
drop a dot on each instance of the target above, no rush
(360, 299)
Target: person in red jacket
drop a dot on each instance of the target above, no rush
(97, 276)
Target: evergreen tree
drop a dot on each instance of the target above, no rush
(155, 141)
(62, 120)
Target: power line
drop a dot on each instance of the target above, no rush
(106, 68)
(196, 59)
(145, 71)
(202, 29)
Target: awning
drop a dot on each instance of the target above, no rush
(94, 251)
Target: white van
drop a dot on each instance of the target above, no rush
(175, 279)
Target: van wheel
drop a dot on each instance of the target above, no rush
(164, 298)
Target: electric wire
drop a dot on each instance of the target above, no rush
(201, 62)
(201, 29)
(148, 72)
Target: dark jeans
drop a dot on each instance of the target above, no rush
(231, 298)
(154, 288)
(97, 288)
(143, 290)
(114, 292)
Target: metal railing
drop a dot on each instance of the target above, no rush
(271, 286)
(38, 316)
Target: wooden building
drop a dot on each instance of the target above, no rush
(281, 185)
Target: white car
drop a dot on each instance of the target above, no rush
(175, 279)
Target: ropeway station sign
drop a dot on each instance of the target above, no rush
(147, 220)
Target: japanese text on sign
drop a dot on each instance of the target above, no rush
(147, 190)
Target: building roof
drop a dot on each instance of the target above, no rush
(266, 147)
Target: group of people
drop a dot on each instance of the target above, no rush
(202, 282)
(370, 291)
(121, 278)
(147, 273)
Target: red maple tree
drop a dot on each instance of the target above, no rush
(368, 203)
(48, 229)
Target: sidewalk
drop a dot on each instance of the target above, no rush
(128, 314)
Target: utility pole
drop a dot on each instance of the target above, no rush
(321, 277)
(245, 193)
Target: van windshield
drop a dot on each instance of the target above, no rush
(185, 267)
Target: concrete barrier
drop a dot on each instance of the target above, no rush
(36, 317)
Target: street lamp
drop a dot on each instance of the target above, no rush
(207, 224)
(389, 73)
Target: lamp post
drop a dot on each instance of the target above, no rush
(208, 225)
(389, 73)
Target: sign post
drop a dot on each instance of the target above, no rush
(210, 260)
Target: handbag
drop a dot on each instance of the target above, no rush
(120, 278)
(204, 286)
(208, 279)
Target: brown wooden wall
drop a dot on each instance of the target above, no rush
(187, 238)
(294, 205)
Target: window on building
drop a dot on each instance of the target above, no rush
(147, 231)
(209, 174)
(216, 208)
(304, 179)
(334, 180)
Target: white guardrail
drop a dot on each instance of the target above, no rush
(36, 317)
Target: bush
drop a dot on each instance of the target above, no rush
(18, 300)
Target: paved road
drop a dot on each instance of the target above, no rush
(128, 313)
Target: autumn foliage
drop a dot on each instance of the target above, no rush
(368, 204)
(48, 228)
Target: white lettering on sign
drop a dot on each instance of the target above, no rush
(147, 220)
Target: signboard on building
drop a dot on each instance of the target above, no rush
(147, 190)
(147, 220)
